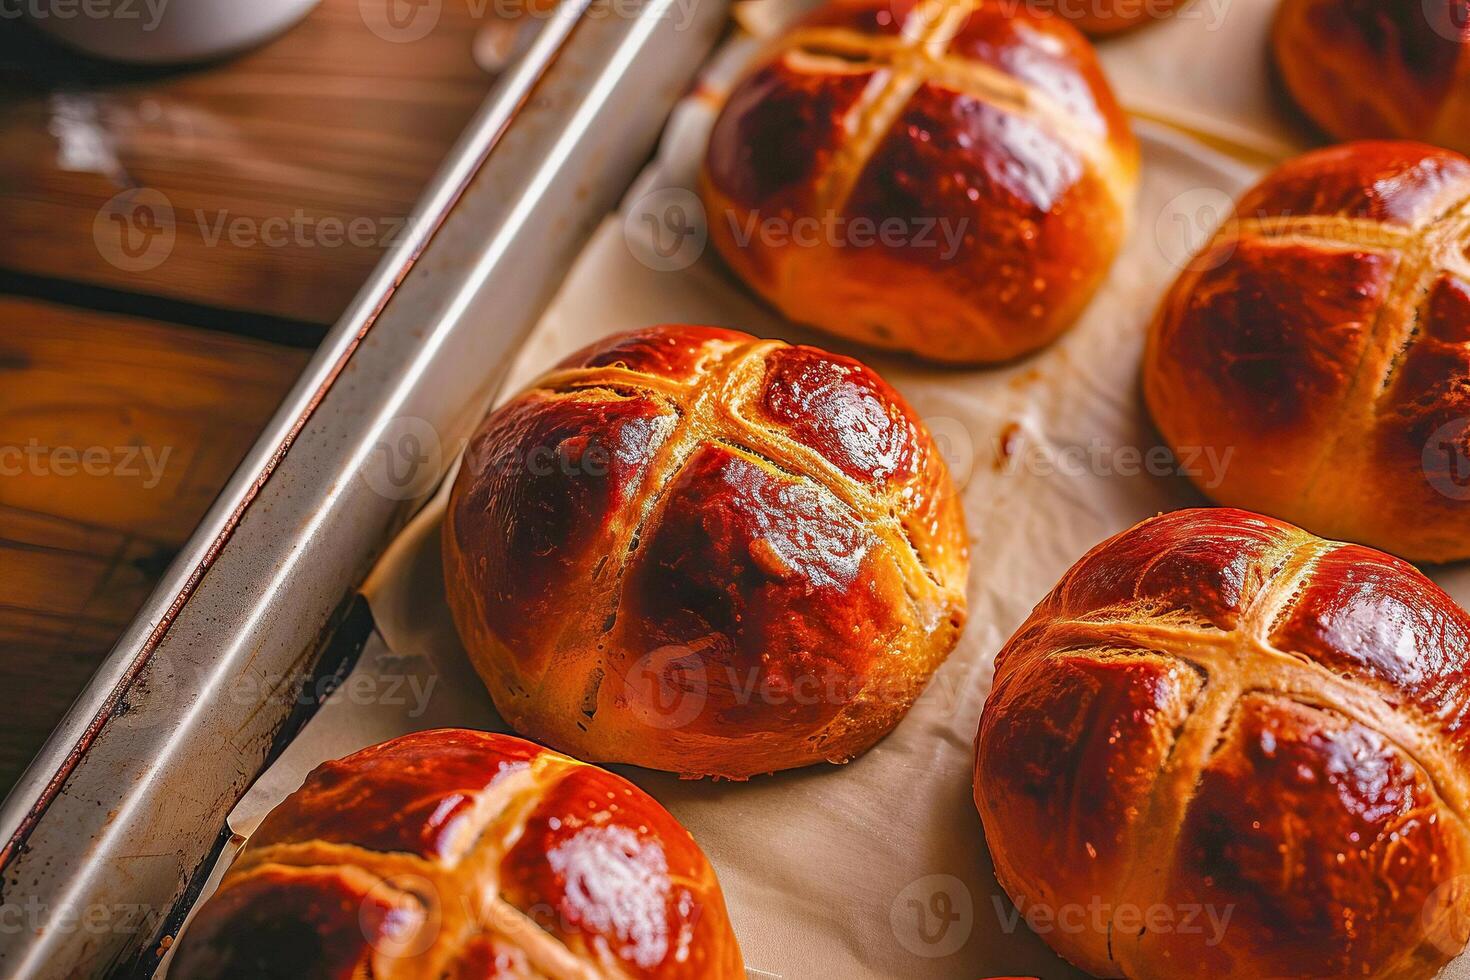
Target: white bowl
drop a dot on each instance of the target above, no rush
(164, 31)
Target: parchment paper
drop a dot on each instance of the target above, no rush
(878, 869)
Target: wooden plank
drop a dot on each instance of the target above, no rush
(47, 662)
(283, 174)
(115, 436)
(126, 424)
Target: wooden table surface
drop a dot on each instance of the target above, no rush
(173, 244)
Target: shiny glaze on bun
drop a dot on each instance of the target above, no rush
(983, 137)
(1379, 69)
(1322, 339)
(693, 550)
(463, 854)
(1219, 712)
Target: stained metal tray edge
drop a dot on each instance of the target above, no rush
(115, 817)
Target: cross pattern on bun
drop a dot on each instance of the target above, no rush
(1218, 715)
(690, 549)
(1322, 339)
(982, 136)
(458, 854)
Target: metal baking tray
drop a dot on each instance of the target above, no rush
(111, 831)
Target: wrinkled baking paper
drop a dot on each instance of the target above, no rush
(877, 868)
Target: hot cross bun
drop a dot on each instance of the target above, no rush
(1223, 747)
(455, 854)
(693, 550)
(1322, 341)
(947, 177)
(1379, 69)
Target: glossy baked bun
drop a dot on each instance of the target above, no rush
(1101, 17)
(1319, 346)
(693, 550)
(934, 177)
(457, 854)
(1379, 69)
(1224, 748)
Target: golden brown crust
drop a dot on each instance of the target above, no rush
(692, 550)
(1321, 340)
(1379, 69)
(455, 853)
(986, 140)
(1218, 712)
